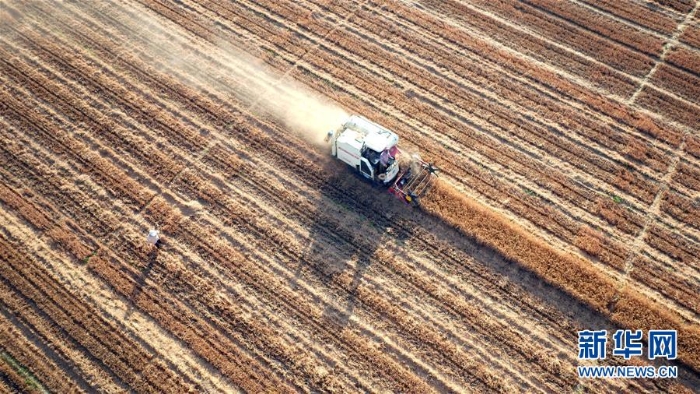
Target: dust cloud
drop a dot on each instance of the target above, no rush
(308, 115)
(273, 95)
(213, 66)
(219, 67)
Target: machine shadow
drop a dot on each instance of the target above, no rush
(338, 253)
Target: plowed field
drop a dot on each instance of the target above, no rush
(567, 134)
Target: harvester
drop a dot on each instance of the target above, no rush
(373, 152)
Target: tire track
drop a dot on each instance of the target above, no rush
(220, 119)
(125, 286)
(673, 41)
(564, 227)
(145, 331)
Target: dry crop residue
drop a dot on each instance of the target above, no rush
(280, 270)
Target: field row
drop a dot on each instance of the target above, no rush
(606, 256)
(626, 306)
(579, 32)
(203, 339)
(198, 246)
(127, 248)
(40, 302)
(638, 13)
(621, 258)
(359, 319)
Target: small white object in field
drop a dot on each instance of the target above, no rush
(153, 237)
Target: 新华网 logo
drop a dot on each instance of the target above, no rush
(627, 344)
(592, 345)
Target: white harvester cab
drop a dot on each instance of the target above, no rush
(372, 151)
(367, 147)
